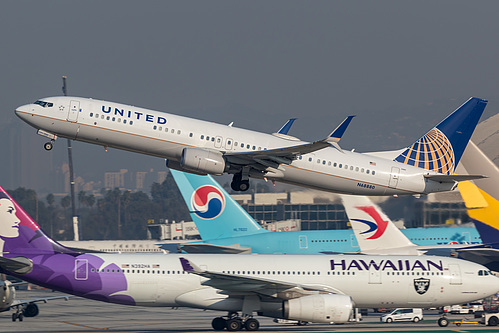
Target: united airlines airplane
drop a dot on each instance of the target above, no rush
(321, 288)
(225, 227)
(203, 147)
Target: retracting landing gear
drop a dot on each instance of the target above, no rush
(240, 181)
(18, 315)
(49, 145)
(232, 322)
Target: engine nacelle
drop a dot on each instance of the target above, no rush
(319, 308)
(202, 161)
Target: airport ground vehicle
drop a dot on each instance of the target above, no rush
(403, 314)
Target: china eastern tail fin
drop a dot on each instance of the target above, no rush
(440, 149)
(20, 234)
(212, 209)
(375, 232)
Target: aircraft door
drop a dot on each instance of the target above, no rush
(218, 141)
(228, 144)
(394, 177)
(81, 269)
(303, 242)
(74, 110)
(455, 274)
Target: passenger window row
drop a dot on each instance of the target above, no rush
(341, 166)
(104, 117)
(172, 130)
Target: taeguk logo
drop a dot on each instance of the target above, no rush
(207, 202)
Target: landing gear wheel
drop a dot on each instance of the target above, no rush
(443, 322)
(236, 182)
(21, 317)
(14, 316)
(234, 324)
(251, 325)
(244, 185)
(218, 324)
(302, 323)
(48, 146)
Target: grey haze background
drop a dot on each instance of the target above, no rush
(399, 66)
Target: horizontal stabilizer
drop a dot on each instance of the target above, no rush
(453, 178)
(217, 249)
(19, 265)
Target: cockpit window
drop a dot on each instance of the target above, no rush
(44, 104)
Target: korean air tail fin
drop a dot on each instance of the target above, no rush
(212, 209)
(375, 232)
(441, 148)
(20, 234)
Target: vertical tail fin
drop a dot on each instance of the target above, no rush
(19, 233)
(483, 209)
(374, 231)
(212, 209)
(441, 148)
(481, 197)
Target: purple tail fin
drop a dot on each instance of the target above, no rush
(20, 234)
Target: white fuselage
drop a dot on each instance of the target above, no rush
(371, 281)
(166, 135)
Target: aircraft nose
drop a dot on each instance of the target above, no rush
(24, 111)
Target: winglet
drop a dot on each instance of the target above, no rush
(189, 266)
(336, 135)
(285, 128)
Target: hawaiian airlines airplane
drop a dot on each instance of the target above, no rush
(203, 147)
(225, 227)
(321, 289)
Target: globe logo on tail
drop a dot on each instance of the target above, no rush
(207, 202)
(432, 152)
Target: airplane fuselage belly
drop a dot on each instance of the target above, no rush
(159, 280)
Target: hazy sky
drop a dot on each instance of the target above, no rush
(400, 66)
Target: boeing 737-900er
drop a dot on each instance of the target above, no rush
(225, 227)
(203, 147)
(312, 288)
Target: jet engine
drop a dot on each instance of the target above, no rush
(202, 161)
(319, 308)
(31, 310)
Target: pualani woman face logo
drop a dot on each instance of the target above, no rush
(9, 222)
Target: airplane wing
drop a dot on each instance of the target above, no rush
(237, 284)
(274, 157)
(19, 302)
(453, 178)
(212, 248)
